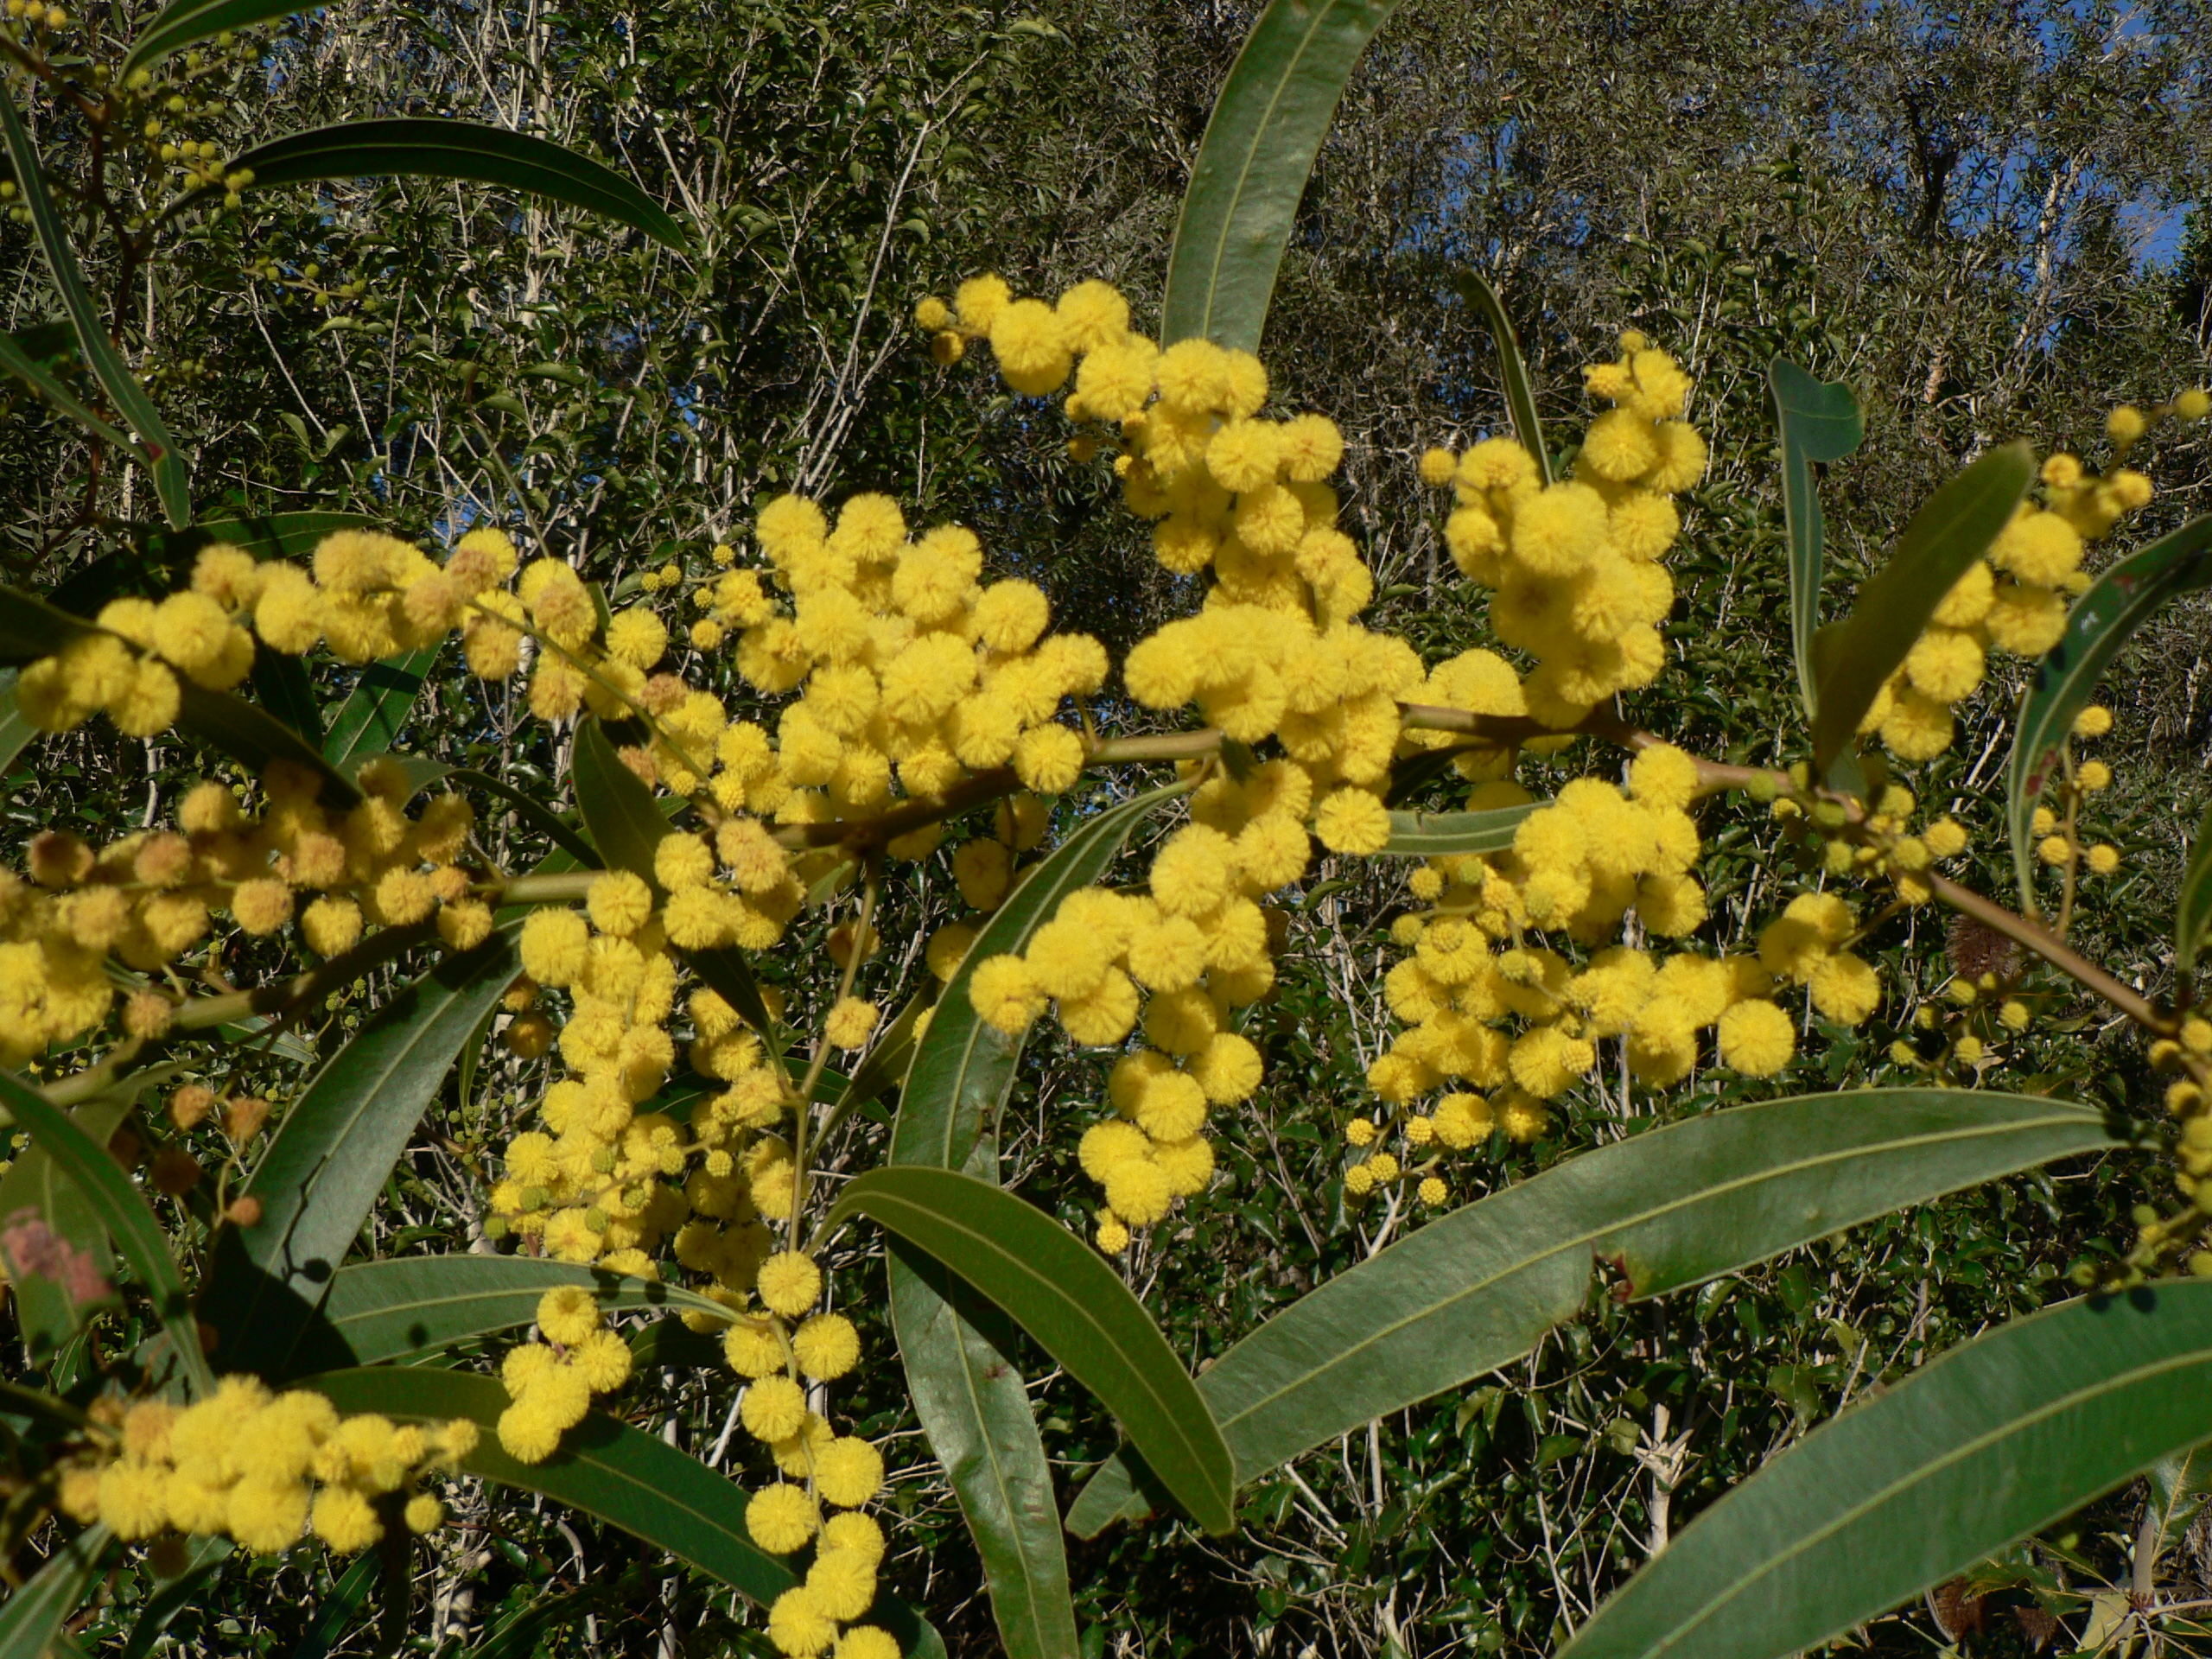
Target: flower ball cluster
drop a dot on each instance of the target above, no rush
(262, 1468)
(913, 672)
(1574, 564)
(147, 899)
(780, 1351)
(551, 1381)
(1273, 652)
(2014, 598)
(1179, 959)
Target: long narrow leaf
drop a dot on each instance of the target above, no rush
(31, 1619)
(617, 808)
(182, 23)
(1818, 421)
(338, 1610)
(334, 1151)
(1058, 1289)
(16, 361)
(2101, 621)
(379, 1311)
(1950, 532)
(533, 813)
(121, 1208)
(968, 1392)
(1431, 835)
(2193, 908)
(371, 719)
(16, 733)
(1987, 1444)
(426, 148)
(171, 482)
(203, 1562)
(1267, 128)
(1478, 1287)
(626, 1478)
(285, 691)
(1512, 368)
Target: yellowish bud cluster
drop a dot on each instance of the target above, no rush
(262, 1469)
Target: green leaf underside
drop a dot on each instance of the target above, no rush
(1431, 835)
(2117, 603)
(658, 1493)
(181, 23)
(429, 148)
(375, 712)
(110, 1195)
(1061, 1292)
(16, 361)
(2193, 909)
(171, 482)
(1477, 1288)
(1952, 530)
(334, 1151)
(968, 1393)
(379, 1311)
(1267, 127)
(31, 1618)
(44, 1310)
(1987, 1444)
(1818, 421)
(1512, 368)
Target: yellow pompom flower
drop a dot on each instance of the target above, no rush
(781, 1518)
(1352, 821)
(849, 1472)
(790, 1283)
(850, 1023)
(1756, 1038)
(567, 1313)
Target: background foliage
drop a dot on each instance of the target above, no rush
(1989, 219)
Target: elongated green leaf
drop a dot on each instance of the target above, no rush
(371, 719)
(727, 973)
(425, 148)
(204, 1560)
(171, 482)
(47, 1311)
(627, 1478)
(1477, 1288)
(1431, 835)
(182, 23)
(1950, 531)
(1058, 1289)
(285, 691)
(518, 1638)
(31, 1619)
(163, 560)
(333, 1153)
(2101, 621)
(617, 808)
(968, 1392)
(1512, 368)
(338, 1610)
(120, 1207)
(1985, 1445)
(16, 732)
(1818, 421)
(1267, 128)
(2193, 909)
(887, 1061)
(36, 375)
(380, 1310)
(533, 813)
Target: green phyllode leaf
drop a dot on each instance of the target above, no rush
(1432, 835)
(1059, 1289)
(1952, 530)
(334, 1151)
(1987, 1444)
(378, 1311)
(1267, 128)
(1512, 367)
(2193, 909)
(36, 375)
(375, 711)
(184, 22)
(427, 148)
(638, 1482)
(1670, 1208)
(31, 1618)
(172, 483)
(2102, 620)
(968, 1392)
(119, 1206)
(1818, 421)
